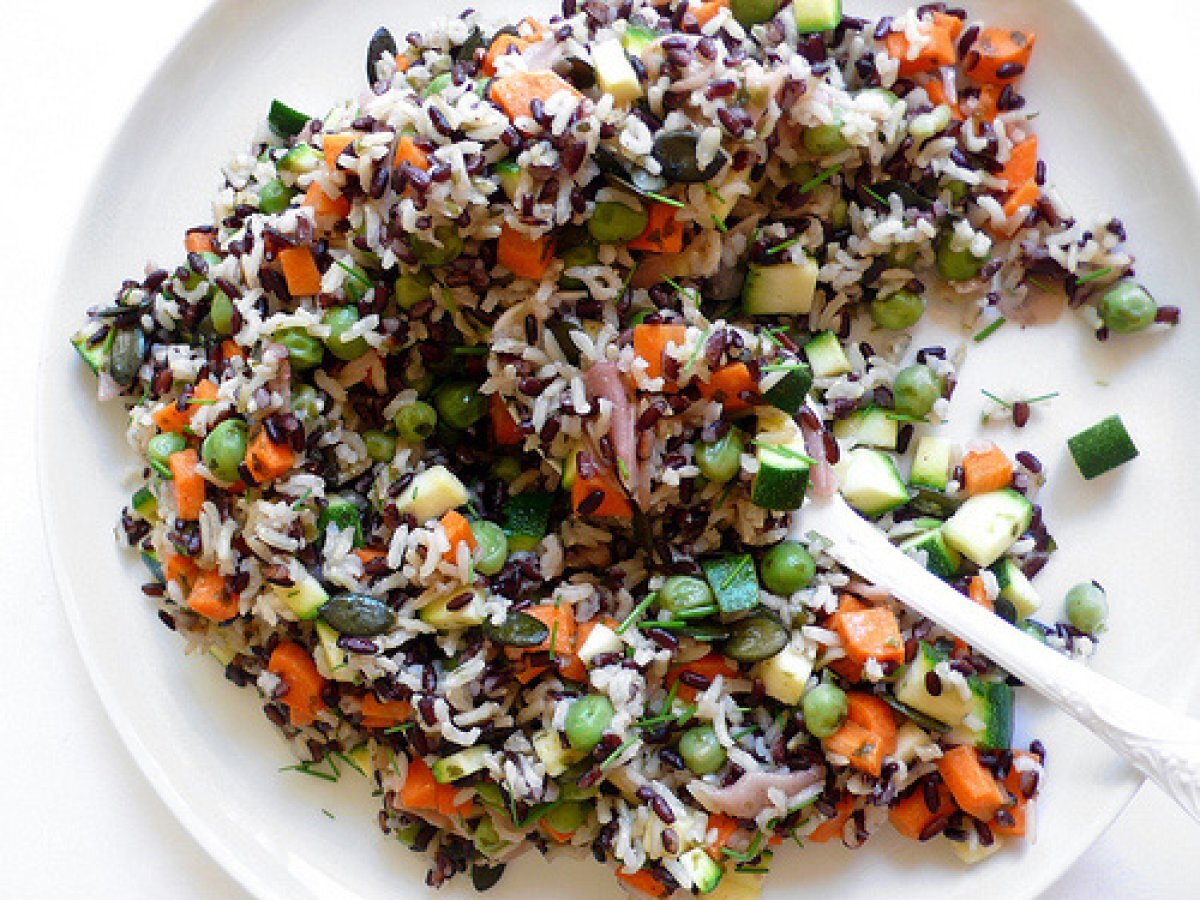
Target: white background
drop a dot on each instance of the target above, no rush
(76, 817)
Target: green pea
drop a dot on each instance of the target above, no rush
(224, 449)
(507, 469)
(161, 447)
(616, 223)
(826, 140)
(787, 567)
(411, 289)
(416, 422)
(915, 391)
(753, 12)
(274, 197)
(221, 314)
(578, 256)
(1127, 307)
(897, 311)
(957, 265)
(720, 461)
(824, 710)
(493, 546)
(306, 402)
(381, 446)
(587, 719)
(701, 751)
(755, 638)
(460, 404)
(682, 593)
(339, 319)
(304, 351)
(430, 254)
(1087, 607)
(566, 818)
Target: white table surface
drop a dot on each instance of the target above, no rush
(76, 816)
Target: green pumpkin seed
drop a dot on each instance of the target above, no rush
(358, 615)
(755, 638)
(518, 630)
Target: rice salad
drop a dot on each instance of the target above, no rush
(475, 426)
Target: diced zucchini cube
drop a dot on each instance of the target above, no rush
(870, 483)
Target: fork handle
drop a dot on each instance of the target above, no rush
(1160, 742)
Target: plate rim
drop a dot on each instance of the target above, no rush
(193, 822)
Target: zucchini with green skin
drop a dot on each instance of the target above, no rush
(1016, 588)
(814, 16)
(437, 612)
(873, 427)
(870, 483)
(786, 289)
(987, 525)
(144, 504)
(931, 464)
(940, 558)
(826, 356)
(781, 480)
(285, 121)
(94, 354)
(944, 704)
(734, 581)
(704, 870)
(1102, 447)
(789, 392)
(527, 519)
(508, 173)
(459, 765)
(992, 710)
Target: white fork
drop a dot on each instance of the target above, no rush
(1162, 743)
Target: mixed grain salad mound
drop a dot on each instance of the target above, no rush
(476, 424)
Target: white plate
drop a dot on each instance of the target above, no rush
(215, 760)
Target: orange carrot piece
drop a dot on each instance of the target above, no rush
(613, 505)
(571, 666)
(644, 881)
(728, 384)
(987, 105)
(709, 666)
(407, 151)
(977, 591)
(231, 349)
(403, 63)
(940, 51)
(267, 460)
(650, 343)
(706, 11)
(199, 242)
(458, 530)
(172, 418)
(513, 93)
(832, 828)
(863, 748)
(1021, 167)
(522, 255)
(911, 816)
(296, 668)
(504, 426)
(1021, 807)
(560, 620)
(972, 786)
(528, 673)
(1024, 197)
(874, 715)
(384, 714)
(663, 232)
(726, 827)
(189, 486)
(335, 145)
(503, 45)
(420, 787)
(324, 205)
(998, 48)
(871, 633)
(209, 597)
(447, 804)
(300, 270)
(180, 568)
(938, 97)
(986, 470)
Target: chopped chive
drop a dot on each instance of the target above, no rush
(667, 624)
(616, 754)
(1041, 399)
(996, 399)
(659, 198)
(737, 570)
(712, 191)
(200, 401)
(337, 773)
(470, 351)
(307, 769)
(720, 224)
(779, 248)
(990, 330)
(300, 501)
(1094, 276)
(673, 283)
(686, 715)
(399, 729)
(354, 273)
(755, 870)
(699, 346)
(783, 367)
(1038, 283)
(393, 762)
(636, 614)
(670, 699)
(751, 852)
(738, 735)
(328, 813)
(904, 417)
(554, 632)
(700, 612)
(628, 277)
(725, 495)
(623, 469)
(875, 196)
(820, 178)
